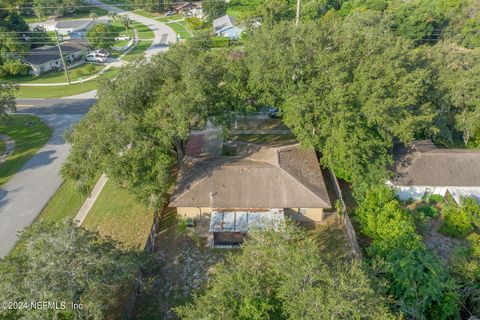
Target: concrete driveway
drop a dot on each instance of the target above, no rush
(26, 194)
(164, 35)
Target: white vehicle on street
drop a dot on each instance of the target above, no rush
(96, 58)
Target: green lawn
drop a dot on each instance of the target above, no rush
(145, 36)
(2, 147)
(117, 214)
(29, 134)
(64, 204)
(180, 29)
(164, 18)
(82, 13)
(147, 14)
(62, 91)
(75, 73)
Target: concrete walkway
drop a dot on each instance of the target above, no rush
(88, 204)
(9, 146)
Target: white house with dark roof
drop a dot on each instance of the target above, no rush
(253, 189)
(47, 58)
(423, 169)
(225, 27)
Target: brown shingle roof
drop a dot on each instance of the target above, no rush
(423, 164)
(262, 177)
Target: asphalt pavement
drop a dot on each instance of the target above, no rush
(26, 194)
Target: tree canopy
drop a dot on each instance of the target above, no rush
(283, 275)
(102, 36)
(64, 264)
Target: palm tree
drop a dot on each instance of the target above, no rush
(93, 15)
(125, 20)
(113, 15)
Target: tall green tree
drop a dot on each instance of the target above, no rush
(7, 99)
(347, 88)
(64, 264)
(214, 8)
(138, 129)
(102, 36)
(282, 275)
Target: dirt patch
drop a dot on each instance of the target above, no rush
(180, 266)
(439, 243)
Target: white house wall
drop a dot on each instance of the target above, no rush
(464, 192)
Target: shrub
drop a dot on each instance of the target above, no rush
(457, 222)
(429, 211)
(435, 198)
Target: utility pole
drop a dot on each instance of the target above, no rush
(297, 19)
(61, 57)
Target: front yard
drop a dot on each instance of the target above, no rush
(145, 40)
(82, 71)
(64, 90)
(30, 134)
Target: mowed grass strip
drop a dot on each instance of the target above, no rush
(63, 91)
(119, 215)
(145, 36)
(64, 204)
(180, 29)
(30, 133)
(84, 71)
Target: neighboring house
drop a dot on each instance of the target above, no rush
(47, 58)
(77, 29)
(197, 12)
(255, 188)
(185, 8)
(225, 27)
(423, 169)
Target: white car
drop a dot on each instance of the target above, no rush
(100, 52)
(119, 38)
(95, 58)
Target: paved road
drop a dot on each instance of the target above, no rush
(25, 195)
(164, 35)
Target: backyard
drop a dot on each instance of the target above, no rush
(29, 134)
(182, 264)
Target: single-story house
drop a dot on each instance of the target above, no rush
(254, 189)
(423, 169)
(47, 58)
(77, 29)
(186, 7)
(225, 27)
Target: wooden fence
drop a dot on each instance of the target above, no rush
(351, 236)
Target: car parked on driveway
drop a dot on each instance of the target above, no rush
(101, 53)
(169, 13)
(96, 58)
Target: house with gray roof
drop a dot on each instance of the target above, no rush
(77, 29)
(256, 188)
(225, 27)
(47, 58)
(423, 169)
